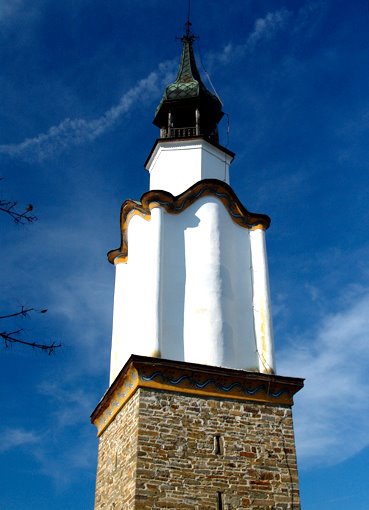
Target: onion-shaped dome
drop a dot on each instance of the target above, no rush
(187, 107)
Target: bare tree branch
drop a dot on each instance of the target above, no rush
(11, 338)
(9, 208)
(23, 312)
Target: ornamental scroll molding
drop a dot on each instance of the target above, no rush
(177, 204)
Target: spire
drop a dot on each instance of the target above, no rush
(187, 107)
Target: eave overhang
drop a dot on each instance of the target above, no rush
(204, 381)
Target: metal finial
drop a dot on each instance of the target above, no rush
(188, 23)
(189, 13)
(188, 35)
(188, 26)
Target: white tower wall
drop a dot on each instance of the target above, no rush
(194, 289)
(175, 166)
(261, 301)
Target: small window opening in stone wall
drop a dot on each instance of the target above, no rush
(218, 445)
(220, 501)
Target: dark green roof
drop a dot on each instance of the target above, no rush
(188, 85)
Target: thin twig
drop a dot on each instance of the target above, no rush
(23, 312)
(8, 207)
(9, 338)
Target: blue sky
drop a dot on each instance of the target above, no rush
(80, 82)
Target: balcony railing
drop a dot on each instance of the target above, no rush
(183, 132)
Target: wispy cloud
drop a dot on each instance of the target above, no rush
(71, 408)
(73, 132)
(332, 411)
(17, 437)
(78, 452)
(309, 16)
(306, 19)
(72, 405)
(9, 8)
(264, 29)
(277, 189)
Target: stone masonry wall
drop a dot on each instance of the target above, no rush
(117, 456)
(197, 453)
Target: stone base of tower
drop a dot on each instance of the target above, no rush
(183, 436)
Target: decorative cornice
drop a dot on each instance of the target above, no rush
(175, 205)
(191, 379)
